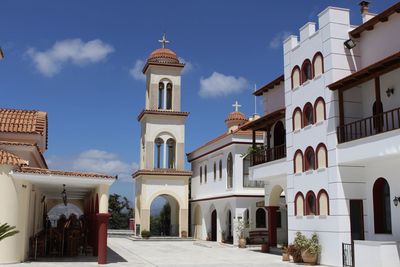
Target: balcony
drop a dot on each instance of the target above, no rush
(380, 123)
(267, 155)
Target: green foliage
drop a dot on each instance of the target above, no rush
(160, 225)
(146, 234)
(295, 252)
(241, 226)
(7, 231)
(252, 150)
(120, 212)
(311, 245)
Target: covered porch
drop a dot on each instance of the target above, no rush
(67, 215)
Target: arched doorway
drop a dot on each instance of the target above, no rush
(164, 216)
(277, 216)
(214, 225)
(197, 222)
(228, 235)
(60, 211)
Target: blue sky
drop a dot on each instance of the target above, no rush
(76, 60)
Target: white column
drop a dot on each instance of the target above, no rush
(165, 156)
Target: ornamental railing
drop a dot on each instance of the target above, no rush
(380, 123)
(268, 155)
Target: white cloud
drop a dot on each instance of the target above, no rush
(188, 65)
(74, 51)
(136, 71)
(277, 40)
(219, 84)
(95, 160)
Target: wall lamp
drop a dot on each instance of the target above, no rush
(349, 44)
(389, 92)
(396, 201)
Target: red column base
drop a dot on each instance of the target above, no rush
(102, 222)
(272, 234)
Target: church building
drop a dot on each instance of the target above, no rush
(338, 102)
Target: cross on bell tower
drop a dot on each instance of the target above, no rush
(163, 41)
(236, 106)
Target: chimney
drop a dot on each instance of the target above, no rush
(364, 7)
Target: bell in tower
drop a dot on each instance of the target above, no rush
(162, 169)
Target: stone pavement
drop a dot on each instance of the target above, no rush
(126, 252)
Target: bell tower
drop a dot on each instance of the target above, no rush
(162, 145)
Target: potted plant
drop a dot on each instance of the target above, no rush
(285, 253)
(223, 234)
(295, 252)
(311, 251)
(7, 231)
(240, 228)
(146, 234)
(184, 234)
(208, 236)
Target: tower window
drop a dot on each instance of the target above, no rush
(159, 152)
(311, 204)
(229, 170)
(220, 169)
(169, 96)
(309, 159)
(215, 171)
(308, 114)
(306, 71)
(161, 95)
(205, 174)
(171, 153)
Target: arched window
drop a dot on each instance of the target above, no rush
(201, 174)
(309, 159)
(308, 114)
(160, 95)
(215, 171)
(169, 96)
(322, 156)
(296, 119)
(323, 203)
(319, 107)
(382, 211)
(311, 203)
(229, 171)
(220, 169)
(299, 204)
(298, 162)
(159, 153)
(306, 71)
(260, 218)
(318, 64)
(171, 153)
(279, 134)
(205, 174)
(295, 77)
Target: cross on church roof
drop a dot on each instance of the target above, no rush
(163, 41)
(236, 106)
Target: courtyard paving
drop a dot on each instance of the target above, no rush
(127, 252)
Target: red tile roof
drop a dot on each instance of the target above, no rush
(7, 158)
(7, 143)
(65, 173)
(381, 17)
(23, 121)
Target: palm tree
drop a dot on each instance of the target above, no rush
(7, 231)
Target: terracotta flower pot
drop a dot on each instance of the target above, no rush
(242, 243)
(309, 258)
(285, 256)
(265, 247)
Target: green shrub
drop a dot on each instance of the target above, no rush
(146, 234)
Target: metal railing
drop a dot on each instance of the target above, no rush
(380, 123)
(348, 255)
(268, 155)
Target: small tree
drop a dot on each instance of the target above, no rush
(7, 231)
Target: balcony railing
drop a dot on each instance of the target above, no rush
(380, 123)
(268, 155)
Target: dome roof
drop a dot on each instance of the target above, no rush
(163, 55)
(236, 116)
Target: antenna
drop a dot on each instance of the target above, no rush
(255, 100)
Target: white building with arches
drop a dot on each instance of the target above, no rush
(162, 156)
(338, 100)
(221, 192)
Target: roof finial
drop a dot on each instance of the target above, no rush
(163, 41)
(236, 106)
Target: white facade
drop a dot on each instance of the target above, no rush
(328, 182)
